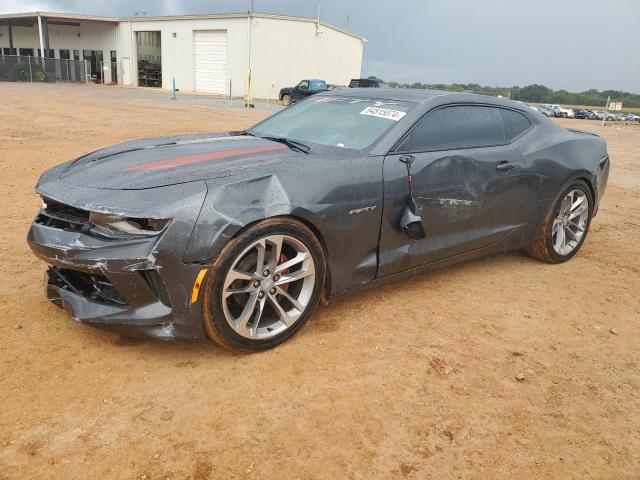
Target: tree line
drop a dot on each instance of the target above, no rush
(534, 93)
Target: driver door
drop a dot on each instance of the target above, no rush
(301, 90)
(469, 178)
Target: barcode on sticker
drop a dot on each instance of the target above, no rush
(387, 113)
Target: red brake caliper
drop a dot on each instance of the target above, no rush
(283, 259)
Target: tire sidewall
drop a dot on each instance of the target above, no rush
(574, 185)
(286, 100)
(213, 315)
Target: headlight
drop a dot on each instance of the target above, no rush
(117, 226)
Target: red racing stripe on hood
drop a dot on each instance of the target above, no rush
(202, 157)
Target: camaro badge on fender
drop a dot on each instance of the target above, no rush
(362, 210)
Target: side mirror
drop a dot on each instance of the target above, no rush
(411, 223)
(411, 220)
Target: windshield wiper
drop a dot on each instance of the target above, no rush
(292, 144)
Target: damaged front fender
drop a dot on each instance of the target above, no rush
(229, 208)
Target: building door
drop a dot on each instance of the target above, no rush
(126, 72)
(114, 67)
(149, 48)
(210, 60)
(95, 59)
(76, 74)
(65, 68)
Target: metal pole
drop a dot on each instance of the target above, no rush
(41, 40)
(30, 74)
(10, 37)
(173, 91)
(229, 89)
(606, 107)
(68, 72)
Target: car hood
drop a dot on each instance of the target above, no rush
(165, 161)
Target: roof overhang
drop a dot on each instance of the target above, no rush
(30, 18)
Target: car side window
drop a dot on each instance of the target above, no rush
(455, 127)
(303, 85)
(316, 85)
(515, 124)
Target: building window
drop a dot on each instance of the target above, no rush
(48, 53)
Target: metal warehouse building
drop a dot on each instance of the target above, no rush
(204, 53)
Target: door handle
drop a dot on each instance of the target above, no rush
(506, 165)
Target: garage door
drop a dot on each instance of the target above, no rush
(210, 47)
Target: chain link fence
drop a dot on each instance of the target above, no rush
(16, 68)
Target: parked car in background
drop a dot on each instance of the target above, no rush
(582, 113)
(632, 117)
(366, 83)
(305, 88)
(544, 111)
(558, 111)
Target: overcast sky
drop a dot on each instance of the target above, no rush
(564, 44)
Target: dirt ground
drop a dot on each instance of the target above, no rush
(412, 380)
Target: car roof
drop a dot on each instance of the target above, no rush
(423, 96)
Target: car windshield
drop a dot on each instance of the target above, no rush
(343, 122)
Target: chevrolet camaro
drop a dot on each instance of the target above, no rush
(237, 236)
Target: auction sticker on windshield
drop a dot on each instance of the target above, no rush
(387, 113)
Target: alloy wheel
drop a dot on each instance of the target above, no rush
(268, 286)
(570, 223)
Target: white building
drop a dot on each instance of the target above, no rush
(204, 53)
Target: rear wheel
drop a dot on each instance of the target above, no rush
(264, 285)
(566, 225)
(286, 100)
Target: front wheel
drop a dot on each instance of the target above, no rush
(264, 285)
(286, 100)
(565, 226)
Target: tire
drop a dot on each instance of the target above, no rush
(286, 100)
(249, 318)
(545, 247)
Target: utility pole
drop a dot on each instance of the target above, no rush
(606, 108)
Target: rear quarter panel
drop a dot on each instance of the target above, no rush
(554, 156)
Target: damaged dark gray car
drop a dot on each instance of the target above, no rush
(237, 236)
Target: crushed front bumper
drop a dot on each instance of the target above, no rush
(137, 287)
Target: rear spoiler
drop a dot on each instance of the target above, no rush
(583, 132)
